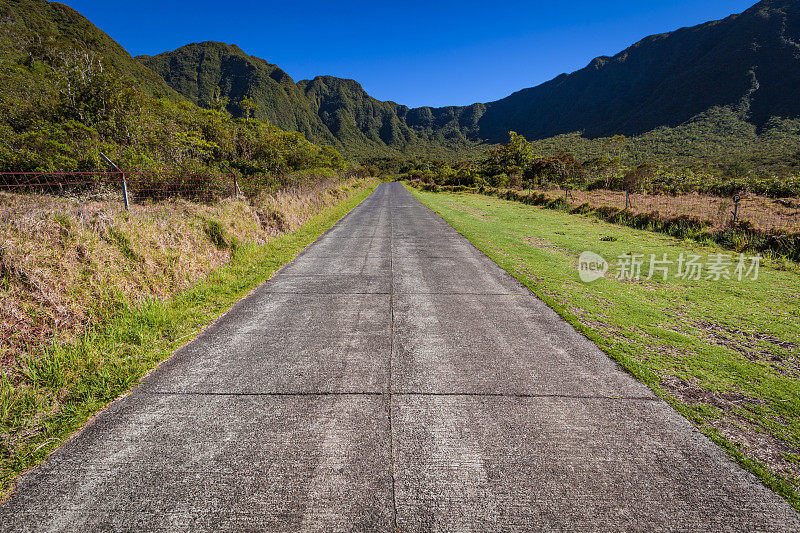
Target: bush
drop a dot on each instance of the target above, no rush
(596, 185)
(216, 233)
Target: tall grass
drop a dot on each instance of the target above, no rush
(49, 388)
(739, 237)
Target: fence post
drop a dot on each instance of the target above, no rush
(236, 190)
(736, 200)
(124, 183)
(125, 192)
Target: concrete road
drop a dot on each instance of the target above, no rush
(391, 378)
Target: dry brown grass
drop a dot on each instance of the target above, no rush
(66, 263)
(765, 214)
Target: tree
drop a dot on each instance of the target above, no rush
(614, 150)
(511, 158)
(91, 94)
(562, 169)
(219, 103)
(249, 106)
(615, 147)
(634, 178)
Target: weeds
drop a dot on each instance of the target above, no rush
(68, 264)
(49, 389)
(216, 233)
(740, 237)
(124, 244)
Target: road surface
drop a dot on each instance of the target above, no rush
(391, 378)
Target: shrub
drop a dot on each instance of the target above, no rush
(216, 233)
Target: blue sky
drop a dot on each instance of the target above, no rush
(415, 53)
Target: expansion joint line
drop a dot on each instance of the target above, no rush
(391, 353)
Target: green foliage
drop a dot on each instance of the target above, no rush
(703, 156)
(216, 233)
(70, 92)
(249, 106)
(509, 159)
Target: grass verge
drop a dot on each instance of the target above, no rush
(725, 353)
(681, 222)
(69, 383)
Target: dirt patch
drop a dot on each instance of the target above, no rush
(770, 451)
(608, 330)
(766, 214)
(692, 394)
(722, 331)
(751, 345)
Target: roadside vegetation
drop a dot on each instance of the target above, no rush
(680, 217)
(92, 297)
(717, 153)
(725, 353)
(745, 198)
(70, 92)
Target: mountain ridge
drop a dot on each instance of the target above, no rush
(749, 62)
(326, 109)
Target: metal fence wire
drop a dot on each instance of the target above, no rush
(139, 186)
(145, 186)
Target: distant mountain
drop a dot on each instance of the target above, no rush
(326, 109)
(748, 62)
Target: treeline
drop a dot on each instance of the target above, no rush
(614, 163)
(61, 106)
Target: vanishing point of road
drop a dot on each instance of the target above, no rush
(391, 378)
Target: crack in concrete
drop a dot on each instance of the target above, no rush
(389, 379)
(402, 293)
(525, 395)
(391, 394)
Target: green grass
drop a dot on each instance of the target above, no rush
(724, 353)
(60, 390)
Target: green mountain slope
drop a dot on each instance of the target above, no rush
(749, 63)
(69, 92)
(326, 109)
(35, 29)
(206, 72)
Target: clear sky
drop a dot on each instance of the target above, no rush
(415, 53)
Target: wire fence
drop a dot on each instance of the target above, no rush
(137, 186)
(141, 187)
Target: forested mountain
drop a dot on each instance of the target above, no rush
(748, 62)
(36, 30)
(68, 92)
(210, 72)
(326, 109)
